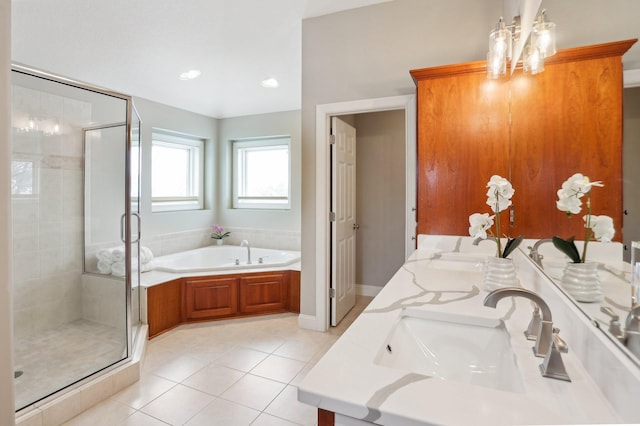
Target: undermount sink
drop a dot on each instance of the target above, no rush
(456, 262)
(468, 349)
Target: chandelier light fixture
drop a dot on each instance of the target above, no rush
(540, 44)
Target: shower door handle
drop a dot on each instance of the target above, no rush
(139, 227)
(123, 237)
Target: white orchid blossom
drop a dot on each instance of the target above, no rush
(602, 227)
(598, 228)
(479, 224)
(499, 193)
(498, 198)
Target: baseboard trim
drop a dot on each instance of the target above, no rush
(311, 322)
(367, 290)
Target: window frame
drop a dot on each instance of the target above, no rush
(256, 143)
(196, 149)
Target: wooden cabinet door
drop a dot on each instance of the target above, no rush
(463, 140)
(566, 120)
(164, 306)
(210, 297)
(264, 293)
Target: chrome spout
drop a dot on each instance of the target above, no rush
(534, 254)
(545, 329)
(245, 243)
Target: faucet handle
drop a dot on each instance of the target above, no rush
(558, 342)
(614, 325)
(531, 333)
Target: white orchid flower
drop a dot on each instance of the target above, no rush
(578, 185)
(499, 193)
(480, 223)
(602, 227)
(571, 204)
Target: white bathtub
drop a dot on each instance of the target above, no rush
(217, 258)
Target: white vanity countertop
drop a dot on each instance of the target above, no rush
(349, 382)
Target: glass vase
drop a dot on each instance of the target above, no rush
(582, 282)
(500, 272)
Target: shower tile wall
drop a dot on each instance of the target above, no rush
(47, 186)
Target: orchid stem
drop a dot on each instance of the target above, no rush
(587, 228)
(498, 225)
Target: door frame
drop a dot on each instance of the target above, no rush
(324, 113)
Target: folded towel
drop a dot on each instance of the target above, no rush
(144, 267)
(118, 254)
(104, 267)
(105, 255)
(146, 255)
(118, 269)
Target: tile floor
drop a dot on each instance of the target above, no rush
(43, 358)
(232, 373)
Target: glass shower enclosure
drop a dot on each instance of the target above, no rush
(76, 232)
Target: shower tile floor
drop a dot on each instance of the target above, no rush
(233, 373)
(63, 355)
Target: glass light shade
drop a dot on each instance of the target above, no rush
(532, 60)
(543, 36)
(496, 65)
(500, 42)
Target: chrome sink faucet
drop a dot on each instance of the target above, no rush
(548, 342)
(533, 251)
(245, 243)
(630, 337)
(477, 241)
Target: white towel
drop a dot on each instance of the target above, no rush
(105, 255)
(144, 267)
(118, 254)
(118, 269)
(146, 255)
(104, 267)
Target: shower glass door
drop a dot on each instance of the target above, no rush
(71, 210)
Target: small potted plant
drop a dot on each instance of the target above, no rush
(500, 270)
(219, 234)
(580, 278)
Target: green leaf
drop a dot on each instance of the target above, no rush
(568, 247)
(512, 244)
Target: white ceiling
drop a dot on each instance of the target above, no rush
(140, 47)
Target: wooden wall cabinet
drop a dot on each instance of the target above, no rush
(534, 130)
(208, 298)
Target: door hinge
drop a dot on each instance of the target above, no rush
(332, 216)
(512, 217)
(332, 139)
(332, 293)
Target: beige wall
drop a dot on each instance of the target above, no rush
(367, 53)
(380, 196)
(6, 308)
(159, 116)
(631, 172)
(276, 124)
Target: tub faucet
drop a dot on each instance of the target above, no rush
(245, 243)
(533, 251)
(548, 343)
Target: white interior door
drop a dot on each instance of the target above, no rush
(343, 224)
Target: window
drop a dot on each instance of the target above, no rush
(24, 178)
(261, 177)
(176, 172)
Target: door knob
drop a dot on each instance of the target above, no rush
(356, 226)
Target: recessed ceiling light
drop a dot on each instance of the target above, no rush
(270, 83)
(190, 75)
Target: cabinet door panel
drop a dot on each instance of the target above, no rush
(260, 293)
(462, 141)
(566, 120)
(211, 297)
